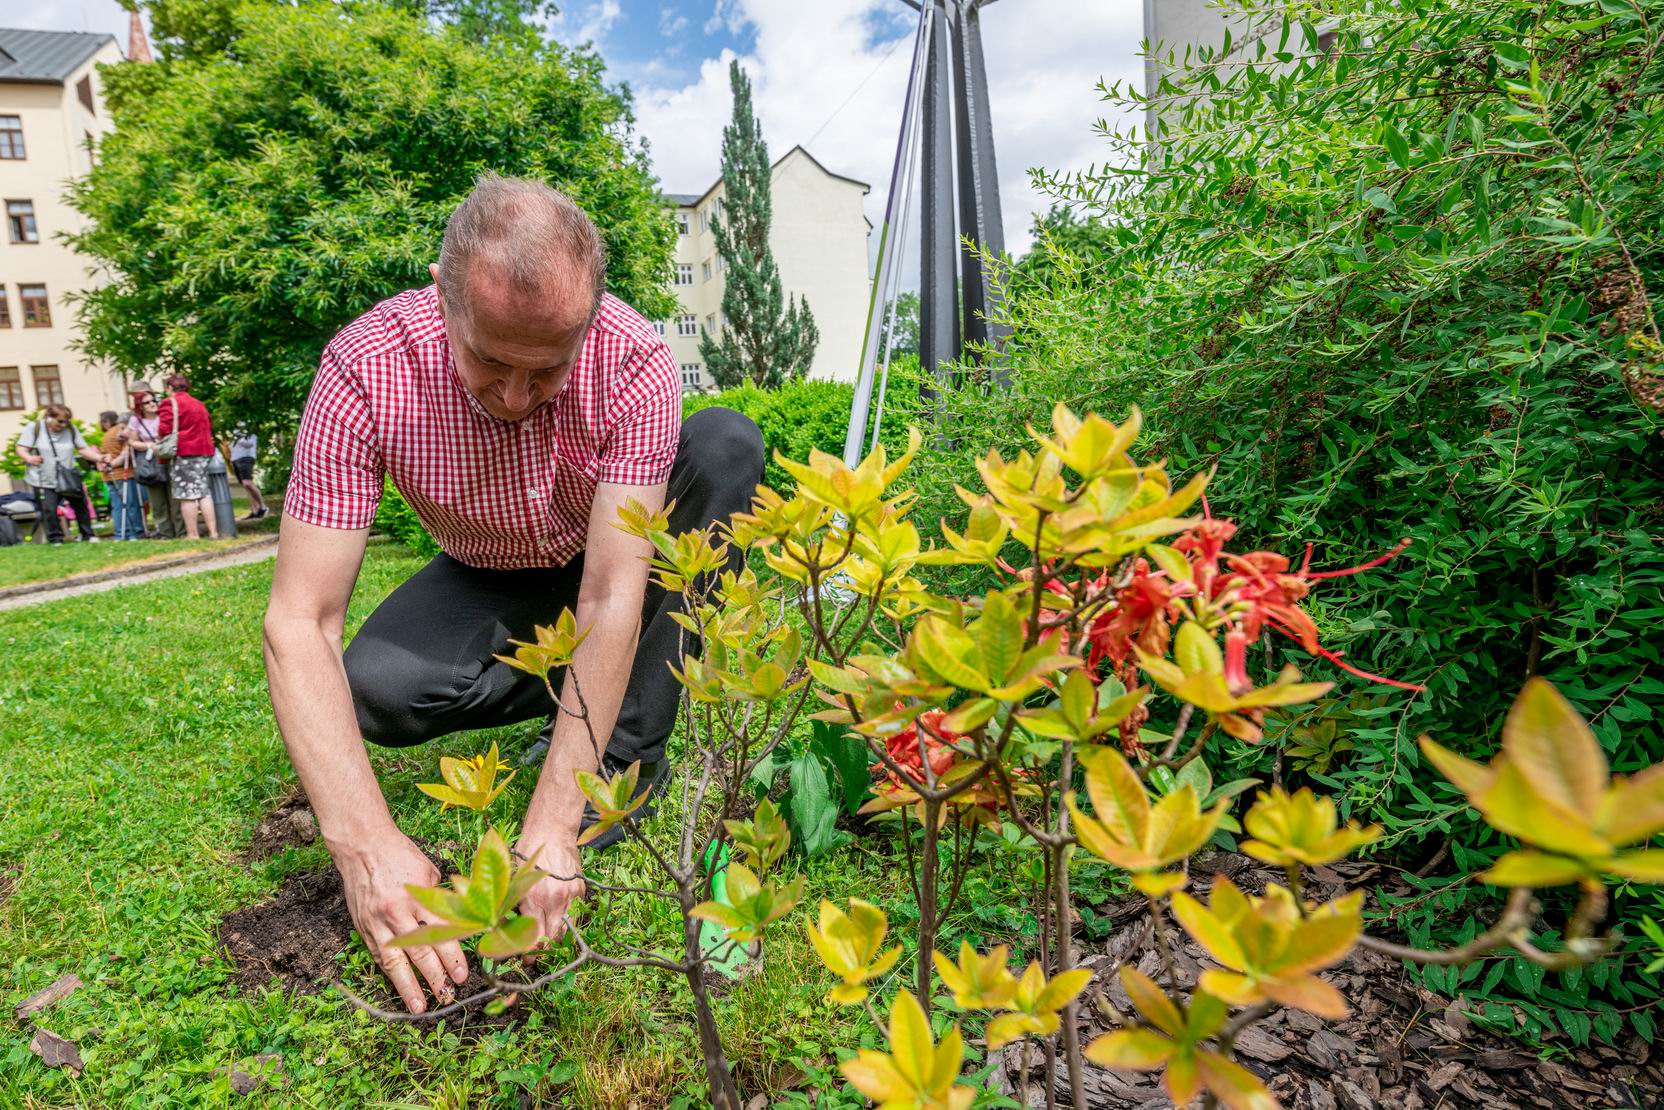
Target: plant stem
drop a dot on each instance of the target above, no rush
(724, 1094)
(1065, 958)
(927, 901)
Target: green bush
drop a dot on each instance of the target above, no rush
(1400, 288)
(396, 518)
(813, 415)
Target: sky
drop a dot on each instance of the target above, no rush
(827, 74)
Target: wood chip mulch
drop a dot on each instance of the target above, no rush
(1404, 1046)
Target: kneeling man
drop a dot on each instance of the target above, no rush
(516, 406)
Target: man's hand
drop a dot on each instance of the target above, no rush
(34, 460)
(374, 876)
(547, 901)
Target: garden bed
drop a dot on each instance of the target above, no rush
(1404, 1046)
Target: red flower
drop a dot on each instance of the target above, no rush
(1263, 593)
(1140, 616)
(903, 749)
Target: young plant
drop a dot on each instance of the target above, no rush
(999, 707)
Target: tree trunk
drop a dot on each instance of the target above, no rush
(724, 1095)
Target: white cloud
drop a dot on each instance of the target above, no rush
(585, 22)
(1045, 58)
(671, 22)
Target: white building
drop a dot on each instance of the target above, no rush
(51, 113)
(1175, 29)
(819, 236)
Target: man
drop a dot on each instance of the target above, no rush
(243, 451)
(188, 472)
(517, 407)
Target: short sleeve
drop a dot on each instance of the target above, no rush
(338, 469)
(644, 420)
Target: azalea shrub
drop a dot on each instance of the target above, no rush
(1076, 702)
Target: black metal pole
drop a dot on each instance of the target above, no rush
(939, 340)
(979, 183)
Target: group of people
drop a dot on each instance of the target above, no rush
(154, 461)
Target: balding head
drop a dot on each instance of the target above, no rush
(525, 241)
(521, 275)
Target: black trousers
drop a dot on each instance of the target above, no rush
(422, 666)
(80, 505)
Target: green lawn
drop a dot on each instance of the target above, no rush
(34, 562)
(139, 753)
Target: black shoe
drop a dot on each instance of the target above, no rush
(650, 781)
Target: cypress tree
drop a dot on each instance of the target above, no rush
(765, 339)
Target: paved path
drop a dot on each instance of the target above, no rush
(253, 552)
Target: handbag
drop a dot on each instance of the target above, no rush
(167, 448)
(69, 482)
(148, 469)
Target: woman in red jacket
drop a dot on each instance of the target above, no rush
(188, 473)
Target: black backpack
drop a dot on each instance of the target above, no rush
(8, 531)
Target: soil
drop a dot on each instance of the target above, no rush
(1403, 1047)
(299, 935)
(290, 825)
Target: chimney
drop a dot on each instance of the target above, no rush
(138, 47)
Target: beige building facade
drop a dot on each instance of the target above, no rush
(819, 237)
(51, 110)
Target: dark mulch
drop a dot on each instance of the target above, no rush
(297, 937)
(1404, 1046)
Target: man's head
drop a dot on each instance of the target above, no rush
(178, 383)
(57, 417)
(520, 276)
(108, 419)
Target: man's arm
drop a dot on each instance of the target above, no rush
(610, 602)
(316, 570)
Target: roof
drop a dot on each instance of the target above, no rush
(693, 200)
(45, 57)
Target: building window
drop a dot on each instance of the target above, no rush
(691, 378)
(49, 388)
(710, 324)
(719, 263)
(11, 137)
(658, 326)
(705, 270)
(682, 227)
(83, 89)
(37, 309)
(5, 309)
(687, 324)
(705, 220)
(11, 389)
(684, 273)
(20, 215)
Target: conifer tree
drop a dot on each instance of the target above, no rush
(765, 340)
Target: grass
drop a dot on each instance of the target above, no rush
(138, 761)
(38, 562)
(34, 562)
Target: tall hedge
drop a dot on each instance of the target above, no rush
(1396, 284)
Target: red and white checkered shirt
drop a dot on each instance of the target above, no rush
(387, 403)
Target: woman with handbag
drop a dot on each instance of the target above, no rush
(49, 447)
(186, 445)
(144, 430)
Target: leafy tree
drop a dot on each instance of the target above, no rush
(1083, 237)
(904, 339)
(256, 197)
(765, 339)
